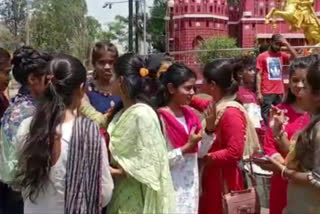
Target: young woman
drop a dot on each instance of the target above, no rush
(63, 164)
(247, 94)
(277, 139)
(29, 70)
(183, 131)
(235, 137)
(302, 166)
(104, 55)
(246, 79)
(137, 145)
(5, 67)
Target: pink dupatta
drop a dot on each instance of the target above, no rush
(175, 131)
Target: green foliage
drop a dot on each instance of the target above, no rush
(156, 24)
(94, 28)
(60, 26)
(7, 39)
(116, 32)
(211, 48)
(14, 15)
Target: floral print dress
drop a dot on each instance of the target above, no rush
(185, 173)
(22, 107)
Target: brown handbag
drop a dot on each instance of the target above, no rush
(243, 201)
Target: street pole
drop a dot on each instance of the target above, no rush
(145, 28)
(137, 28)
(130, 31)
(167, 29)
(27, 24)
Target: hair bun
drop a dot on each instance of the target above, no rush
(22, 56)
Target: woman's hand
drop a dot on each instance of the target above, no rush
(211, 112)
(278, 167)
(205, 160)
(267, 165)
(116, 172)
(278, 120)
(260, 98)
(85, 100)
(193, 140)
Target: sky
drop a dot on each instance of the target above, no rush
(106, 15)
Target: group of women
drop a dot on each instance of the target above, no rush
(134, 138)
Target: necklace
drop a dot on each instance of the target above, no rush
(93, 87)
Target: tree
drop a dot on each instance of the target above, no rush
(60, 26)
(211, 48)
(94, 28)
(156, 24)
(116, 32)
(14, 15)
(7, 39)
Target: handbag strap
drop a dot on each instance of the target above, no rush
(224, 186)
(251, 174)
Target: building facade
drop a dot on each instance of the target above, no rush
(195, 20)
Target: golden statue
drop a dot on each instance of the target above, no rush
(301, 16)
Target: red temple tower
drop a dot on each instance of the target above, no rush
(194, 21)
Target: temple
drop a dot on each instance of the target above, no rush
(195, 20)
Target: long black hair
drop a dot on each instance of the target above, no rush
(177, 74)
(305, 145)
(138, 88)
(224, 73)
(27, 60)
(298, 63)
(35, 161)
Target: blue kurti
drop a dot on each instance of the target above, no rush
(101, 102)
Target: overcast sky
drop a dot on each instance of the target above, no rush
(105, 15)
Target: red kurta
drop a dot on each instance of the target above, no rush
(278, 191)
(225, 154)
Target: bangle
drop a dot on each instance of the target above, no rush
(283, 171)
(279, 136)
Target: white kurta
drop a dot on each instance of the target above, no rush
(51, 200)
(185, 173)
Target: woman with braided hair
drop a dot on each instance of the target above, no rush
(28, 67)
(63, 159)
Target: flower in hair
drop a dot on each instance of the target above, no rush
(163, 68)
(144, 72)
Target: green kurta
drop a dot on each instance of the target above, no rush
(138, 146)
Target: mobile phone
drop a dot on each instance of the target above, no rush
(262, 159)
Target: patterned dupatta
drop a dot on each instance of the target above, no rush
(83, 184)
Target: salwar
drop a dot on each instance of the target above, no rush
(10, 201)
